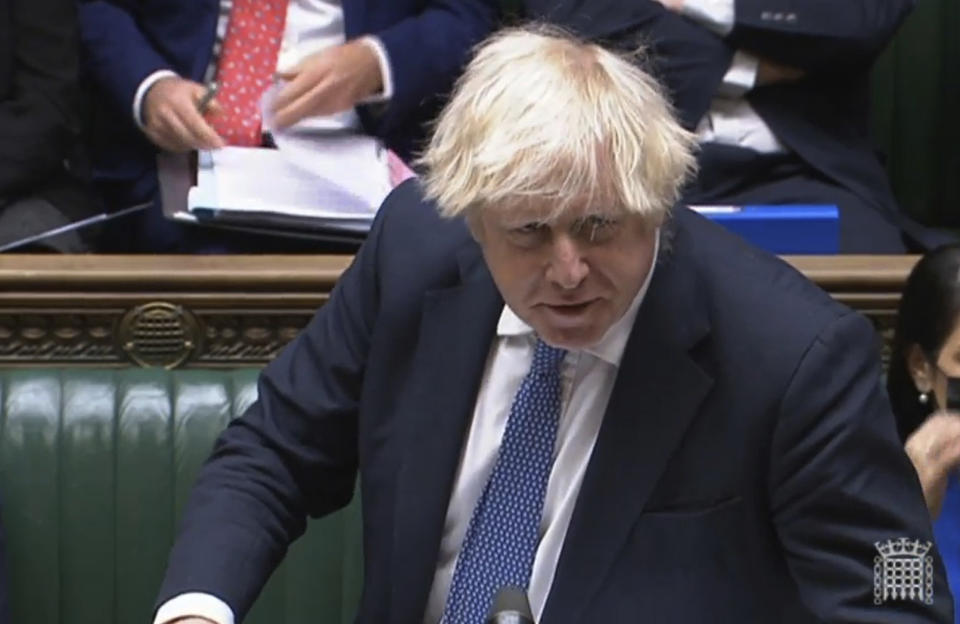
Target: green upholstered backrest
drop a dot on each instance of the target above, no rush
(95, 467)
(917, 112)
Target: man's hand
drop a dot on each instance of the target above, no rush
(674, 5)
(769, 72)
(328, 82)
(934, 449)
(171, 119)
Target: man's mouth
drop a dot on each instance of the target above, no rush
(569, 309)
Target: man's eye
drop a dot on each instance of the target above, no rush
(596, 227)
(530, 228)
(600, 221)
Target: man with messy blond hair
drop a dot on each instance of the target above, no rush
(549, 379)
(561, 120)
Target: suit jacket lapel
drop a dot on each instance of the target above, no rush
(457, 327)
(658, 390)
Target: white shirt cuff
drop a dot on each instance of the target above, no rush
(386, 72)
(194, 604)
(717, 15)
(148, 82)
(741, 77)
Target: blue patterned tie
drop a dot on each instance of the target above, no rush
(503, 534)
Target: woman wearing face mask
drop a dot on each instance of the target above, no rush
(926, 355)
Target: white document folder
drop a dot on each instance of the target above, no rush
(316, 179)
(344, 181)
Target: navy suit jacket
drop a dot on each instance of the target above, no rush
(823, 118)
(746, 464)
(124, 41)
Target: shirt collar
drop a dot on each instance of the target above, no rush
(609, 348)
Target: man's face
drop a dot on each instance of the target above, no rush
(571, 278)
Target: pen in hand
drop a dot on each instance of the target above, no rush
(203, 104)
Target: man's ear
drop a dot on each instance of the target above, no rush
(475, 225)
(920, 368)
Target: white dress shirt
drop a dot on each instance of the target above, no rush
(731, 120)
(311, 26)
(588, 378)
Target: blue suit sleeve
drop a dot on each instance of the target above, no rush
(688, 59)
(116, 52)
(427, 52)
(293, 454)
(818, 35)
(839, 482)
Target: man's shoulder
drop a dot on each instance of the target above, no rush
(412, 238)
(750, 288)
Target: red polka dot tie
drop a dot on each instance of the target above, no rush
(247, 63)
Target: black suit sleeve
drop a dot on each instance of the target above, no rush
(38, 108)
(818, 35)
(292, 454)
(839, 482)
(690, 60)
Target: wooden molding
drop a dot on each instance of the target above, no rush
(230, 311)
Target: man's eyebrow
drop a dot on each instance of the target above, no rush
(514, 223)
(602, 213)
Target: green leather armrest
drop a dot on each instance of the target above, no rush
(95, 467)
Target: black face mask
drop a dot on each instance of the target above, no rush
(953, 390)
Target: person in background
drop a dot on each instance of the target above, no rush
(547, 378)
(377, 67)
(42, 171)
(925, 357)
(778, 93)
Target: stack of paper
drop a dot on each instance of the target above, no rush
(324, 177)
(335, 183)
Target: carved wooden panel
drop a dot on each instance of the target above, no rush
(233, 311)
(233, 339)
(38, 335)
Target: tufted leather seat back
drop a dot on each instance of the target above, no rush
(95, 468)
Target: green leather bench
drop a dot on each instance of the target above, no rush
(95, 467)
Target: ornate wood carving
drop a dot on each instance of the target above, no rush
(34, 336)
(235, 339)
(232, 311)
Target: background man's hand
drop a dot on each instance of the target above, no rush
(769, 72)
(171, 119)
(674, 5)
(934, 449)
(328, 82)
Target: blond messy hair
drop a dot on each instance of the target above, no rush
(539, 116)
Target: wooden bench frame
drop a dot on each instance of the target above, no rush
(232, 311)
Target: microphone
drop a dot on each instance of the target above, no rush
(510, 606)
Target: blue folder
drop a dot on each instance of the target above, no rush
(781, 229)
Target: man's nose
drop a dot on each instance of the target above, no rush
(568, 267)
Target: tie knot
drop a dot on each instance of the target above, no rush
(547, 359)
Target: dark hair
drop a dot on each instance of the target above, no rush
(929, 307)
